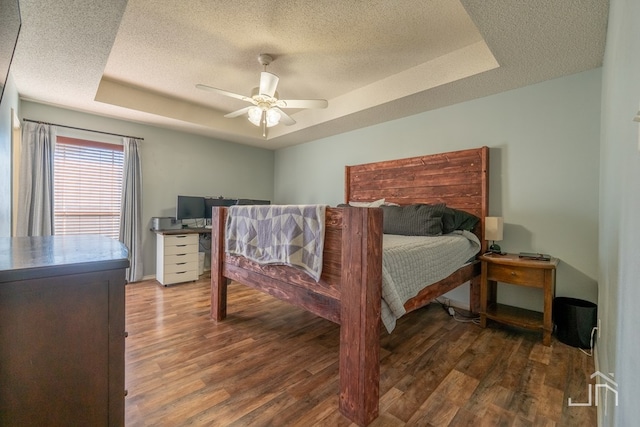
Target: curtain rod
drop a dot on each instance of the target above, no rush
(88, 130)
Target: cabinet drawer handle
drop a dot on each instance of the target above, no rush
(513, 273)
(126, 334)
(181, 246)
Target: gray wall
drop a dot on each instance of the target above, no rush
(173, 163)
(544, 151)
(9, 101)
(618, 344)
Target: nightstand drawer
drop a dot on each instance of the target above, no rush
(516, 275)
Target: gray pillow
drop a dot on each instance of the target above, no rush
(413, 220)
(454, 219)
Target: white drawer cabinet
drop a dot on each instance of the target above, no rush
(176, 258)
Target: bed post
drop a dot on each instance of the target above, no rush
(474, 285)
(474, 295)
(360, 296)
(218, 281)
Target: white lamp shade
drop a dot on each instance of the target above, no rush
(493, 228)
(273, 117)
(255, 115)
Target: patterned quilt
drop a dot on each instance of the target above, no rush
(291, 235)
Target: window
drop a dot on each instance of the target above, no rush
(87, 187)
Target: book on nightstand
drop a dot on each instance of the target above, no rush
(534, 256)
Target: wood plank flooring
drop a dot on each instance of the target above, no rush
(272, 364)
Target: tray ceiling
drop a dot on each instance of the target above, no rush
(373, 61)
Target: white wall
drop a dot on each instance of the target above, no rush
(173, 163)
(619, 250)
(544, 157)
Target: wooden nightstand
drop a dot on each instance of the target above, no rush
(514, 270)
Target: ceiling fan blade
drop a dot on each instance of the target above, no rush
(224, 92)
(284, 117)
(237, 113)
(268, 83)
(302, 103)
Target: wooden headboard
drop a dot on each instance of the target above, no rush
(460, 179)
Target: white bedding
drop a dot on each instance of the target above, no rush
(410, 263)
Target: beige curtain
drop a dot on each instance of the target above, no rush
(131, 216)
(35, 193)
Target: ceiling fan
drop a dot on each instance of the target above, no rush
(266, 109)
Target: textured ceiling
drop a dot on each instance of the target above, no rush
(373, 60)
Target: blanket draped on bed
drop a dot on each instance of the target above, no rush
(292, 235)
(409, 263)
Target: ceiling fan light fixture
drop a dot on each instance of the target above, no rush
(255, 115)
(273, 117)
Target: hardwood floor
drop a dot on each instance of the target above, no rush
(272, 364)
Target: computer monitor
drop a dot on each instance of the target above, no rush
(253, 202)
(190, 207)
(210, 202)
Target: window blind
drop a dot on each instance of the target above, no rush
(87, 187)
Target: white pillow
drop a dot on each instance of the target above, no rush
(374, 204)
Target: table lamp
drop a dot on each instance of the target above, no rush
(493, 232)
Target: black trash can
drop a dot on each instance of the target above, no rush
(574, 320)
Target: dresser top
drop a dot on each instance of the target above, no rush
(23, 258)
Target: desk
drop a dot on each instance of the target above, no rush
(188, 230)
(177, 254)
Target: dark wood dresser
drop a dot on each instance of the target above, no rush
(62, 331)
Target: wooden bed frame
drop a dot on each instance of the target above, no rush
(349, 290)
